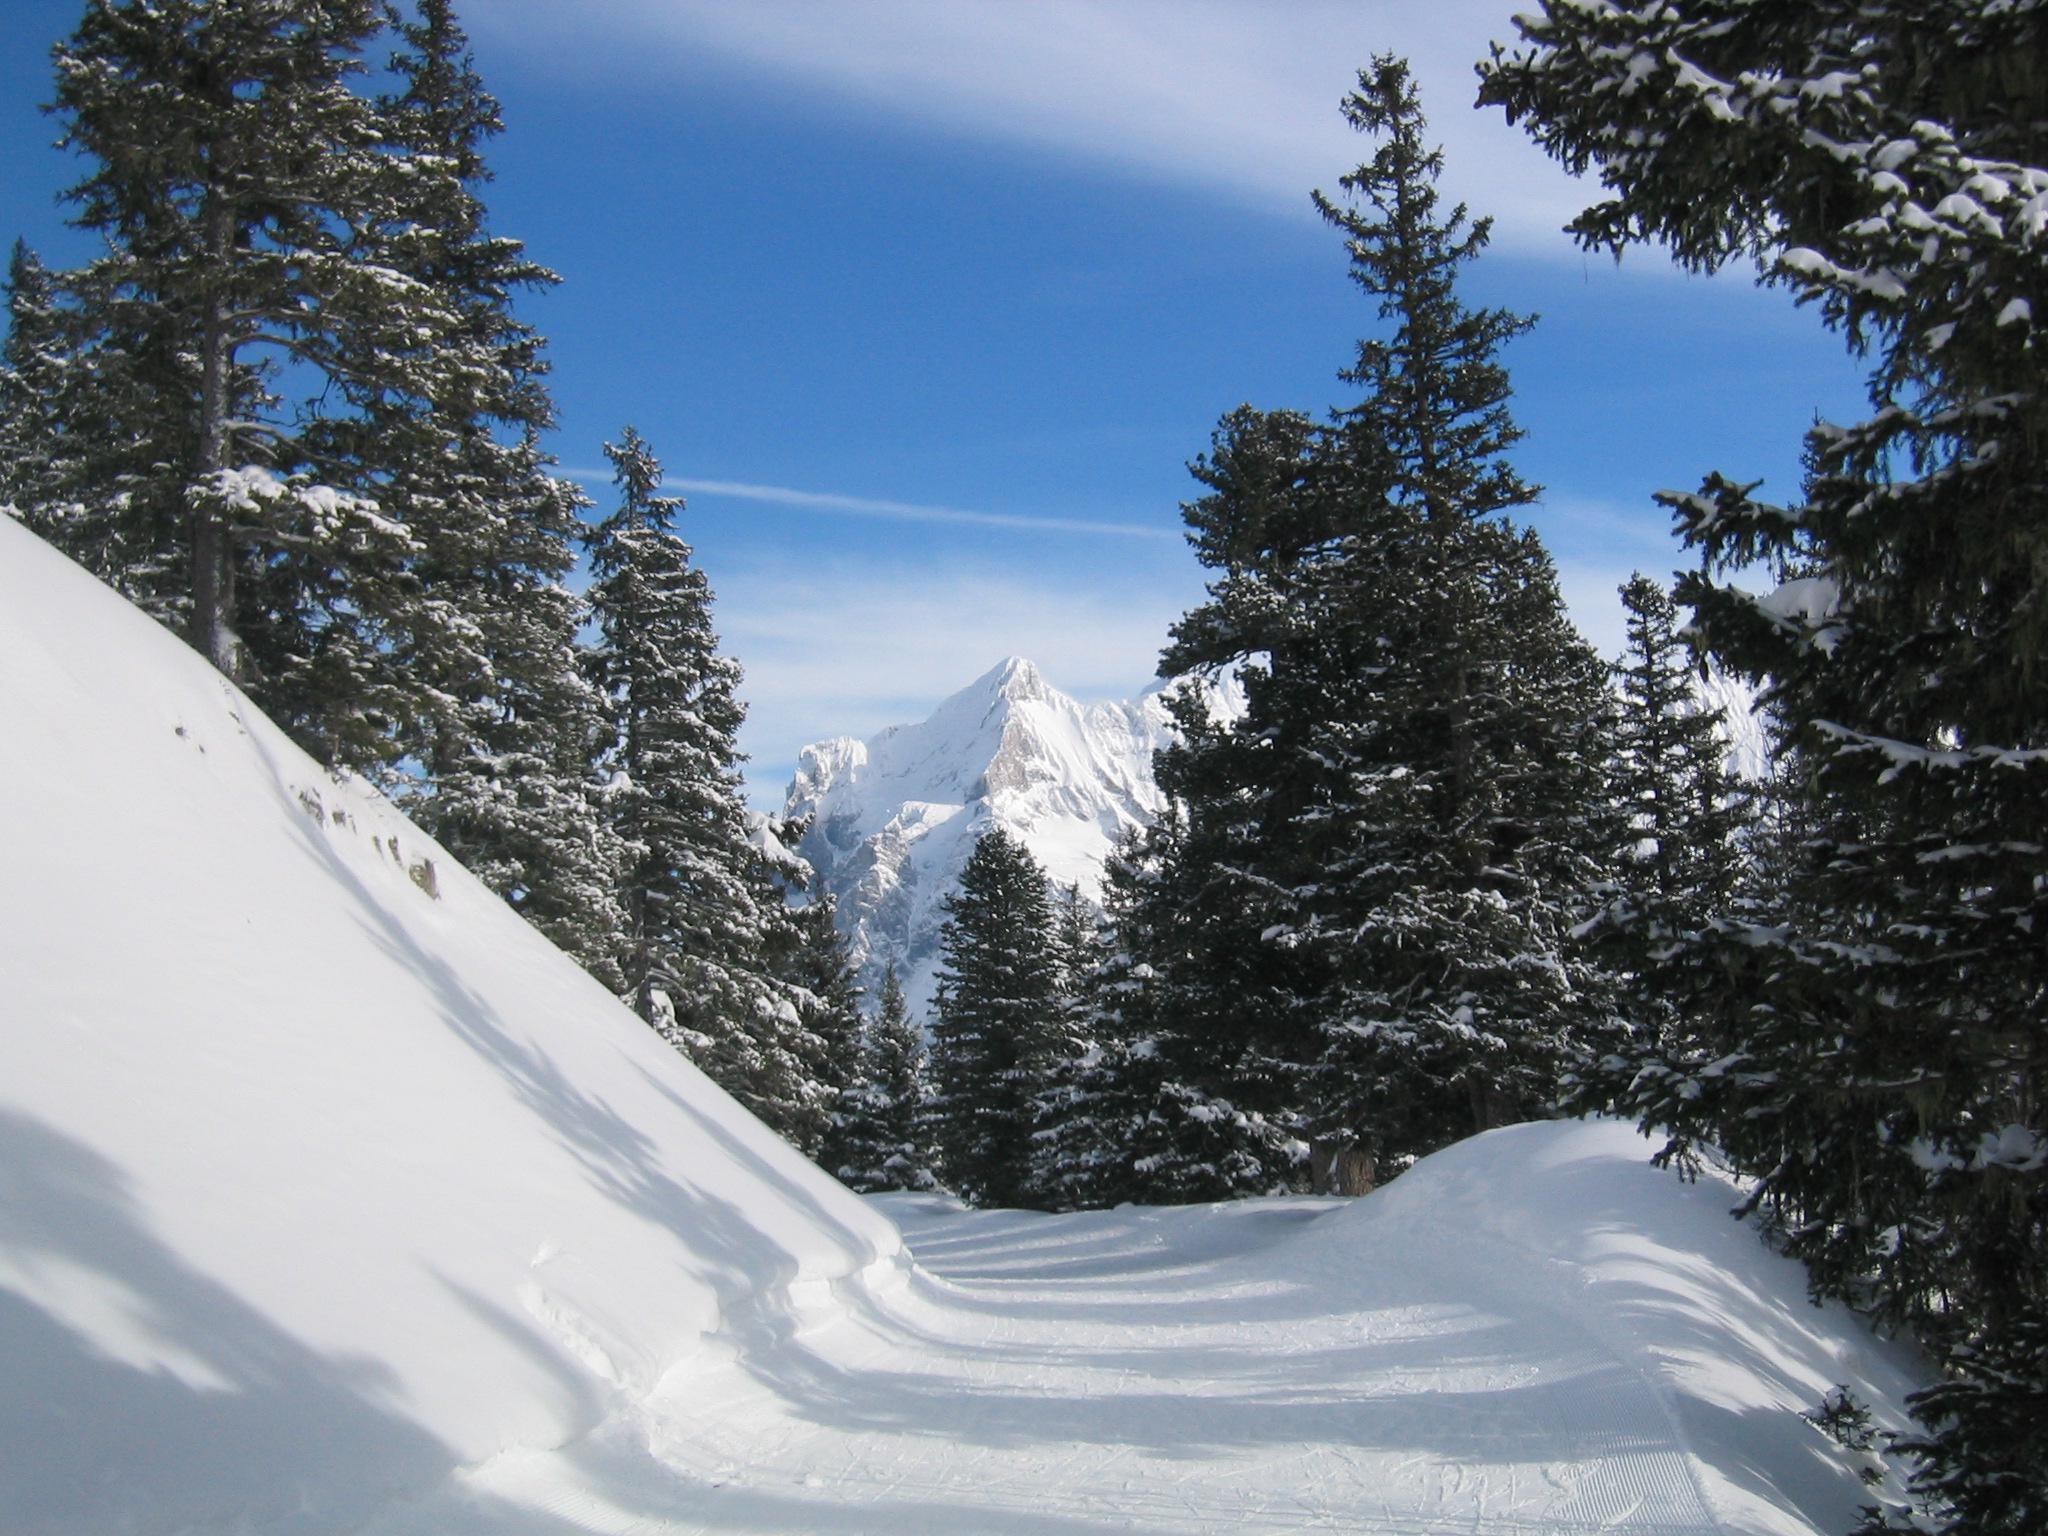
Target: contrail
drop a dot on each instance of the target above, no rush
(896, 511)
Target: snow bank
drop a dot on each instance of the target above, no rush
(1715, 1325)
(320, 1173)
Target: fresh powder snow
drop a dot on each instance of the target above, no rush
(334, 1200)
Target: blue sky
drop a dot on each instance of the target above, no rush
(925, 304)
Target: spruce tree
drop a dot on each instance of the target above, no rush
(1133, 1111)
(883, 1144)
(439, 650)
(35, 398)
(494, 706)
(233, 175)
(1690, 835)
(707, 938)
(994, 1024)
(1686, 810)
(1883, 161)
(1387, 856)
(828, 1000)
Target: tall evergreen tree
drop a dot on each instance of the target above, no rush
(707, 938)
(1391, 847)
(1134, 1111)
(35, 397)
(828, 1000)
(995, 1022)
(481, 637)
(1689, 828)
(234, 174)
(1885, 162)
(1686, 810)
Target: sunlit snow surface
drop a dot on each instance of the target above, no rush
(330, 1204)
(1533, 1332)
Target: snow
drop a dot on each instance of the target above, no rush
(333, 1200)
(1810, 604)
(1534, 1332)
(315, 1186)
(894, 818)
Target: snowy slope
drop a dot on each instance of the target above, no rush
(1749, 750)
(894, 818)
(315, 1185)
(1532, 1334)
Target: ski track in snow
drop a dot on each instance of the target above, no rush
(1149, 1371)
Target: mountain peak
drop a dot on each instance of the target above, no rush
(893, 818)
(1014, 678)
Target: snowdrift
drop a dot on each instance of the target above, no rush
(320, 1173)
(1648, 1315)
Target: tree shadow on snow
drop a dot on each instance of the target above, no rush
(144, 1391)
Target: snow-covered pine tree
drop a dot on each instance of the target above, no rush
(1887, 162)
(1067, 1149)
(828, 998)
(35, 459)
(1392, 847)
(494, 706)
(994, 1024)
(1687, 812)
(706, 931)
(233, 170)
(883, 1143)
(1131, 1112)
(1690, 825)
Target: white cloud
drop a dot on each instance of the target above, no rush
(1213, 92)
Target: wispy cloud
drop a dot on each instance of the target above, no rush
(1238, 97)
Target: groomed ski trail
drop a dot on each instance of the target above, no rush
(1265, 1366)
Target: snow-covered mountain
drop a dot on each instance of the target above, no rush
(894, 818)
(1749, 750)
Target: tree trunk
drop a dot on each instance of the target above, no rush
(213, 556)
(1340, 1168)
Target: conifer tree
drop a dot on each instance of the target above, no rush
(828, 999)
(1881, 160)
(884, 1145)
(1689, 826)
(493, 704)
(233, 174)
(707, 938)
(994, 1024)
(35, 473)
(440, 649)
(1685, 809)
(1132, 1112)
(1392, 846)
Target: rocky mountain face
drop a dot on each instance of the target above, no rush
(894, 818)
